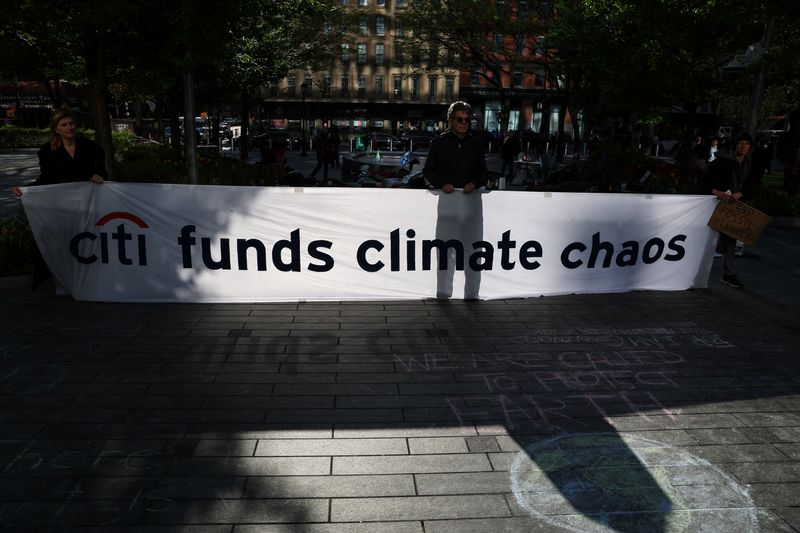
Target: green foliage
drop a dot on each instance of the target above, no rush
(613, 165)
(11, 136)
(154, 163)
(459, 34)
(776, 202)
(620, 57)
(16, 246)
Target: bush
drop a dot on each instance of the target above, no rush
(15, 137)
(776, 202)
(613, 165)
(155, 163)
(16, 246)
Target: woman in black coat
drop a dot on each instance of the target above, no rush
(65, 158)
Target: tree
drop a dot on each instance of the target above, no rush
(77, 41)
(491, 39)
(270, 38)
(138, 47)
(622, 59)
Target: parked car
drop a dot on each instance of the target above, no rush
(386, 167)
(275, 139)
(417, 139)
(381, 141)
(532, 140)
(490, 140)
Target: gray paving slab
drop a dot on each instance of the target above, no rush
(418, 507)
(406, 417)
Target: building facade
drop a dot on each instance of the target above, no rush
(375, 84)
(370, 84)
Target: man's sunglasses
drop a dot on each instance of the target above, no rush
(461, 120)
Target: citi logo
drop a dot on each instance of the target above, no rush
(85, 246)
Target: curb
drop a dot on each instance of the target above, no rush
(15, 282)
(785, 222)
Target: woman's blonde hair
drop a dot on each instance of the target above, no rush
(57, 116)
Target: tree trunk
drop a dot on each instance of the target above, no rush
(215, 119)
(244, 140)
(158, 122)
(97, 71)
(562, 141)
(138, 123)
(761, 81)
(189, 132)
(174, 119)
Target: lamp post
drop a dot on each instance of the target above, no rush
(303, 93)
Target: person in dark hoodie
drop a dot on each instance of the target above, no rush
(727, 178)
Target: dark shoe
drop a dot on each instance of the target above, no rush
(732, 280)
(40, 277)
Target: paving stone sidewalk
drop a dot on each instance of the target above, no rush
(645, 411)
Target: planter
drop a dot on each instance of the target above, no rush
(785, 222)
(15, 282)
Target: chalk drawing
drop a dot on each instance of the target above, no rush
(600, 482)
(663, 338)
(8, 351)
(556, 413)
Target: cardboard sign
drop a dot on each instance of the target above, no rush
(739, 220)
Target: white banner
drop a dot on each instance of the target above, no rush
(181, 243)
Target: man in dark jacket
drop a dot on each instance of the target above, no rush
(727, 179)
(456, 159)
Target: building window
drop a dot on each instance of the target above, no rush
(399, 27)
(498, 42)
(362, 53)
(345, 57)
(516, 79)
(398, 55)
(415, 88)
(449, 88)
(362, 86)
(380, 25)
(345, 85)
(475, 79)
(523, 9)
(291, 87)
(432, 89)
(363, 3)
(399, 3)
(309, 85)
(398, 88)
(326, 86)
(519, 40)
(433, 55)
(379, 87)
(380, 3)
(362, 25)
(415, 56)
(541, 46)
(379, 54)
(346, 2)
(500, 5)
(538, 81)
